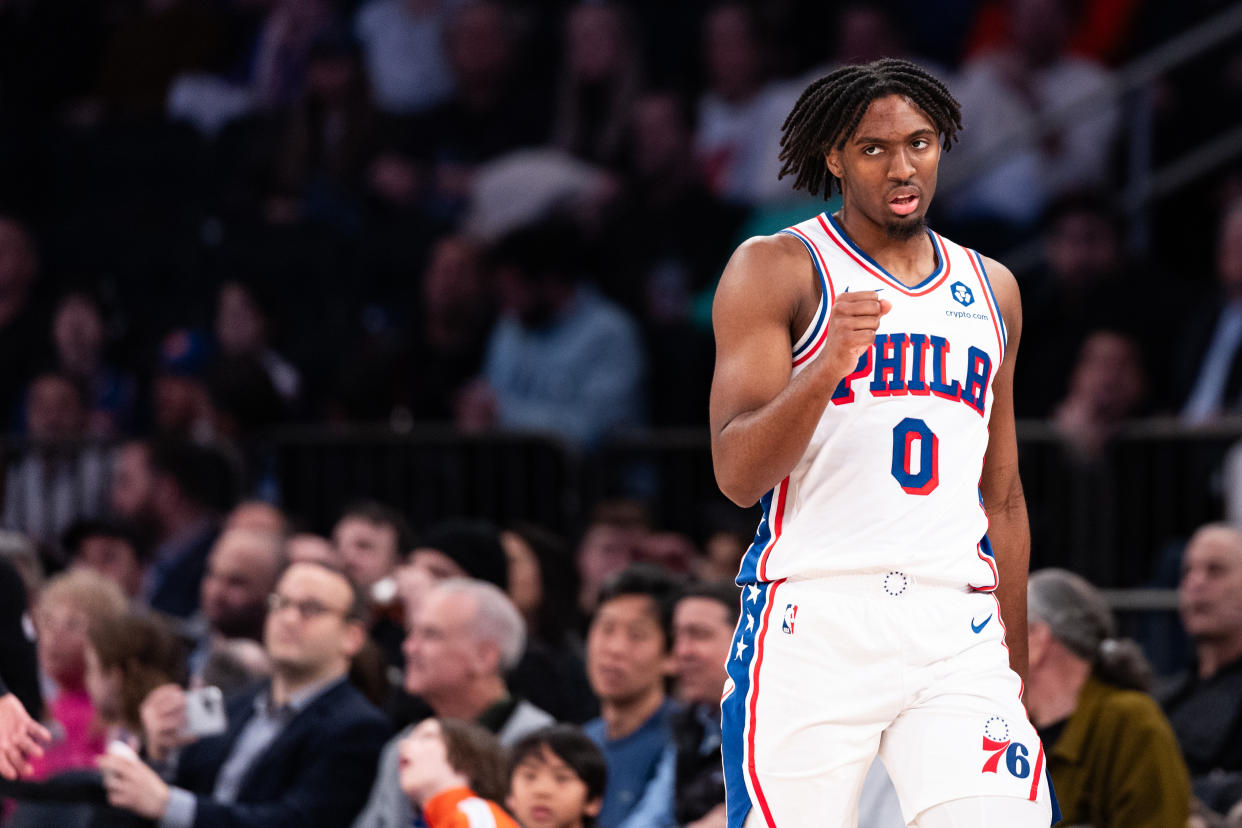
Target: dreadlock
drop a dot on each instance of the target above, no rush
(830, 109)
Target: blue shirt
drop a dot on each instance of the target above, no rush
(634, 765)
(579, 376)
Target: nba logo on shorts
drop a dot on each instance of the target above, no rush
(791, 613)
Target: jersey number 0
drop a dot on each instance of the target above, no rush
(911, 435)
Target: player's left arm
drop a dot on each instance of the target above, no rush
(1001, 487)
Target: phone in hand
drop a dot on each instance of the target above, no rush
(204, 712)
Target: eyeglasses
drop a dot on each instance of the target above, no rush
(308, 609)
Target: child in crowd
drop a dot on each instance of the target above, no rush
(557, 780)
(454, 772)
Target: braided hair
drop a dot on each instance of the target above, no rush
(830, 109)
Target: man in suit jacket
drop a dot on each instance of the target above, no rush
(299, 751)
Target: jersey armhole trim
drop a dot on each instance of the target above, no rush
(826, 293)
(977, 260)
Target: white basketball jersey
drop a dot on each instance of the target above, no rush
(890, 479)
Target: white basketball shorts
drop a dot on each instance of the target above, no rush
(825, 673)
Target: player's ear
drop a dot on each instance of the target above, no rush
(593, 807)
(832, 157)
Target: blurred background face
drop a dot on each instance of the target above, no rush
(441, 652)
(1110, 374)
(453, 284)
(1082, 248)
(594, 39)
(732, 52)
(702, 637)
(424, 760)
(547, 793)
(240, 325)
(478, 44)
(1229, 253)
(54, 410)
(114, 558)
(661, 135)
(322, 639)
(368, 550)
(62, 642)
(605, 551)
(1039, 28)
(17, 257)
(626, 650)
(78, 332)
(241, 572)
(525, 578)
(1210, 593)
(132, 482)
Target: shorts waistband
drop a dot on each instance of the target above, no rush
(893, 583)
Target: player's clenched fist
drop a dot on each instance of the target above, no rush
(852, 324)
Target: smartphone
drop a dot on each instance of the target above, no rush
(204, 711)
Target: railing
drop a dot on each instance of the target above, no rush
(1118, 520)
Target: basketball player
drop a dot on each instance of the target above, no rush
(863, 394)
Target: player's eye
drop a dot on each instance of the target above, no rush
(920, 143)
(871, 150)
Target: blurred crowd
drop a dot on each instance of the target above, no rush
(220, 217)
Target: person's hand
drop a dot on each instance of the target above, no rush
(717, 817)
(164, 721)
(20, 736)
(133, 786)
(852, 324)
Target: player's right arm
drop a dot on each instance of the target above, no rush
(763, 417)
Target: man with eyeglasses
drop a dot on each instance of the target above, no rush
(300, 750)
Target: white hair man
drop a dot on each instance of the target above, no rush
(465, 636)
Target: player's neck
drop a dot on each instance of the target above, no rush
(909, 260)
(621, 718)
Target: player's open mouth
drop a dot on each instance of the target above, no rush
(904, 205)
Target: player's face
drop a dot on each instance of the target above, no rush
(702, 636)
(547, 793)
(1210, 593)
(627, 655)
(888, 167)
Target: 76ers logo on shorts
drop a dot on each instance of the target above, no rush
(791, 615)
(996, 742)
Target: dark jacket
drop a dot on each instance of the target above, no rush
(316, 773)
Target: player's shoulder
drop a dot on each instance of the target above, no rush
(766, 276)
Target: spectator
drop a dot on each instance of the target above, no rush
(1108, 387)
(257, 516)
(22, 323)
(127, 656)
(1205, 704)
(57, 481)
(80, 338)
(20, 692)
(243, 329)
(130, 495)
(307, 547)
(1209, 366)
(610, 543)
(181, 404)
(242, 571)
(457, 315)
(403, 43)
(308, 721)
(69, 608)
(1112, 755)
(454, 771)
(283, 47)
(1085, 282)
(543, 586)
(109, 548)
(629, 658)
(1006, 91)
(371, 539)
(465, 636)
(562, 359)
(557, 779)
(190, 486)
(599, 82)
(703, 623)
